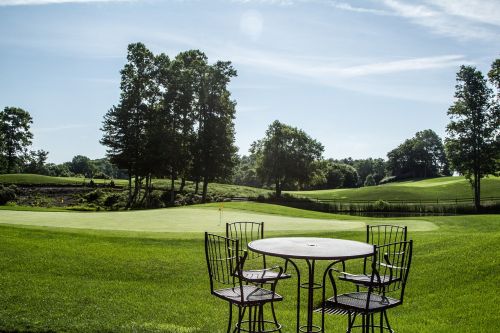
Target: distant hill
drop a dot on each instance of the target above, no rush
(427, 189)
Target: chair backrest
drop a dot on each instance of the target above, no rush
(395, 265)
(385, 234)
(246, 232)
(223, 260)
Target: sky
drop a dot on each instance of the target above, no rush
(358, 76)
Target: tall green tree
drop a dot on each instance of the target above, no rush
(215, 152)
(15, 135)
(472, 144)
(127, 132)
(186, 73)
(286, 156)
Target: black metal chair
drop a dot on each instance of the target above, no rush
(376, 235)
(247, 232)
(224, 269)
(384, 289)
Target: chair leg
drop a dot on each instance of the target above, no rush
(230, 317)
(250, 328)
(350, 322)
(240, 319)
(274, 316)
(387, 321)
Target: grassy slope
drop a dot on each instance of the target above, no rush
(121, 281)
(214, 188)
(429, 189)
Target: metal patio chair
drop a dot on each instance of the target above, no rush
(247, 232)
(380, 294)
(224, 269)
(376, 235)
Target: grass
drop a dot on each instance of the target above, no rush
(82, 280)
(213, 188)
(33, 179)
(428, 189)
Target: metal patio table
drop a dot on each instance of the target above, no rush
(310, 249)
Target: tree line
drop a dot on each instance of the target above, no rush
(174, 119)
(299, 164)
(289, 159)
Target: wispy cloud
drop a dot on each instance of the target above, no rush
(362, 77)
(348, 7)
(51, 2)
(315, 68)
(483, 11)
(460, 19)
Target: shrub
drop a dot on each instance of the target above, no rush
(93, 196)
(112, 200)
(381, 205)
(7, 194)
(370, 181)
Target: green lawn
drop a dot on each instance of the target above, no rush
(428, 189)
(66, 279)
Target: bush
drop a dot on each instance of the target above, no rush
(7, 194)
(381, 205)
(93, 196)
(370, 181)
(112, 200)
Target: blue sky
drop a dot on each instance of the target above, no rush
(359, 76)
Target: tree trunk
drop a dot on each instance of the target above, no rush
(129, 200)
(10, 162)
(196, 186)
(183, 183)
(278, 188)
(172, 187)
(205, 188)
(477, 192)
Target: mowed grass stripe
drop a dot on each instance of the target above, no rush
(188, 219)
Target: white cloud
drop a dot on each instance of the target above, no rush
(484, 11)
(462, 20)
(50, 2)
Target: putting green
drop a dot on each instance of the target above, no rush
(187, 219)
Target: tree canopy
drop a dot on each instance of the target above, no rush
(285, 156)
(15, 136)
(419, 157)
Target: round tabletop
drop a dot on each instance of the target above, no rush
(311, 248)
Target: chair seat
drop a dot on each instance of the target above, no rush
(251, 295)
(356, 302)
(261, 275)
(366, 279)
